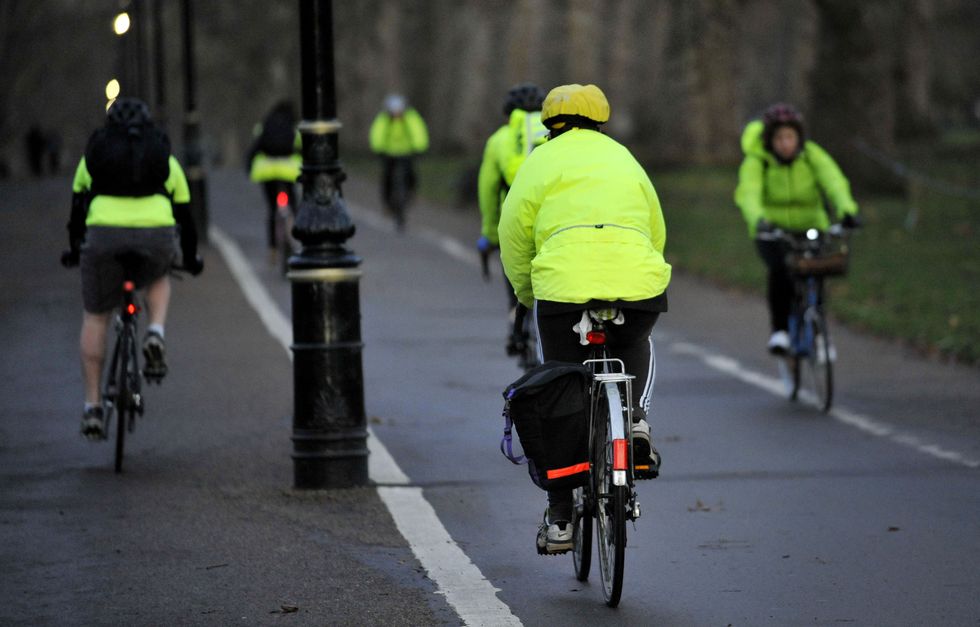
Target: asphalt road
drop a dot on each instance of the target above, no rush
(767, 513)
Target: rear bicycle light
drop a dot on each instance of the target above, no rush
(131, 309)
(128, 286)
(620, 459)
(596, 337)
(282, 199)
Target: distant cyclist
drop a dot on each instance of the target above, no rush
(274, 161)
(504, 153)
(398, 133)
(582, 229)
(782, 183)
(129, 193)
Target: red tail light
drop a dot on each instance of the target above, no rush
(282, 199)
(131, 309)
(128, 286)
(596, 337)
(619, 454)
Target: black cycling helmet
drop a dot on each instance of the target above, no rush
(524, 96)
(128, 112)
(780, 114)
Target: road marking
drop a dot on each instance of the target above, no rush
(861, 422)
(466, 589)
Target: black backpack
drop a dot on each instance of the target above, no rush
(128, 160)
(278, 138)
(549, 406)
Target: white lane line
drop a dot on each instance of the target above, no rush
(444, 560)
(449, 245)
(861, 422)
(466, 589)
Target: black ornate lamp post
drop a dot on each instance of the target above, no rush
(329, 426)
(192, 130)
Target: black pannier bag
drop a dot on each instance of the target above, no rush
(549, 406)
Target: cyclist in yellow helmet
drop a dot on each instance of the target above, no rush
(582, 229)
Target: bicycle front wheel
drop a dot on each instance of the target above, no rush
(610, 506)
(819, 364)
(123, 399)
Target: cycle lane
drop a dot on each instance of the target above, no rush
(202, 527)
(428, 408)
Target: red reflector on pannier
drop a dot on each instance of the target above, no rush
(558, 473)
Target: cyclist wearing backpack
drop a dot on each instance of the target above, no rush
(129, 193)
(782, 183)
(504, 153)
(274, 161)
(582, 229)
(397, 134)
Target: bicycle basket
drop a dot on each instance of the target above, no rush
(830, 260)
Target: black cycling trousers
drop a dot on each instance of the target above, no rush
(779, 283)
(629, 341)
(388, 175)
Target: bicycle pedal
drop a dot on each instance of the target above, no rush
(645, 471)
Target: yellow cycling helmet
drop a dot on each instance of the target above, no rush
(586, 101)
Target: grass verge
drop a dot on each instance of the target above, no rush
(919, 284)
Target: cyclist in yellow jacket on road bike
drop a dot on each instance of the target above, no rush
(129, 193)
(398, 133)
(504, 153)
(582, 229)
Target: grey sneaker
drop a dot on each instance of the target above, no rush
(646, 458)
(554, 538)
(154, 357)
(93, 424)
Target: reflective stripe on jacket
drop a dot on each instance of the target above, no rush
(789, 195)
(134, 212)
(399, 136)
(582, 221)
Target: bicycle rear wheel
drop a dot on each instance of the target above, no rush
(582, 536)
(610, 503)
(819, 364)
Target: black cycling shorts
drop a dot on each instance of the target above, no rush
(102, 272)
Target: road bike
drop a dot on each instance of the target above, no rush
(399, 190)
(811, 257)
(286, 245)
(524, 344)
(608, 499)
(122, 397)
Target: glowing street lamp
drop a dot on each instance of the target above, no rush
(112, 89)
(120, 25)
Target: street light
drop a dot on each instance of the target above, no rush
(329, 425)
(112, 89)
(121, 24)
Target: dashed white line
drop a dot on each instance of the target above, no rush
(864, 423)
(466, 589)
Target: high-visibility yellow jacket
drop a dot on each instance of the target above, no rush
(504, 153)
(265, 168)
(134, 211)
(790, 195)
(582, 221)
(399, 136)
